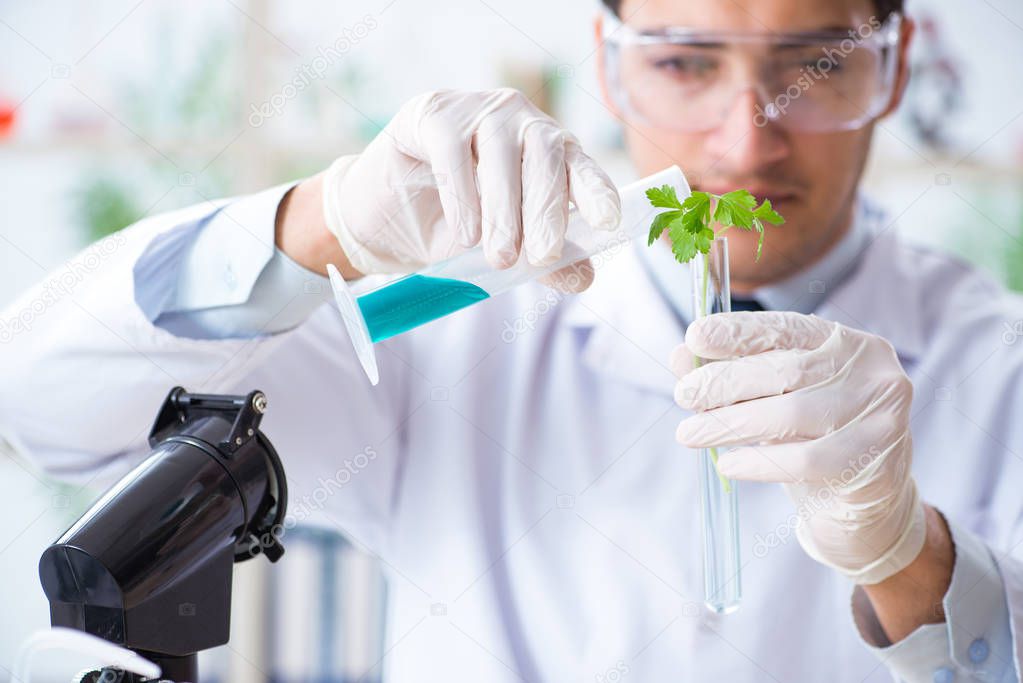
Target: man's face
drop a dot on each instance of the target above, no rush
(810, 178)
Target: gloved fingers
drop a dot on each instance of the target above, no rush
(499, 176)
(726, 382)
(571, 279)
(786, 463)
(869, 475)
(798, 416)
(592, 191)
(846, 459)
(682, 361)
(454, 169)
(729, 335)
(781, 463)
(544, 192)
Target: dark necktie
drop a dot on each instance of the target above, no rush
(745, 305)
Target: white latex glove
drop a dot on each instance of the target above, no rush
(822, 408)
(452, 169)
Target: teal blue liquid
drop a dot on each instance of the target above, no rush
(413, 301)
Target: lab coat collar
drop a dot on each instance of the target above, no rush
(883, 296)
(805, 291)
(876, 290)
(629, 330)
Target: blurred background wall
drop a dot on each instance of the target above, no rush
(114, 110)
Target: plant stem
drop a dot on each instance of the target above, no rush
(725, 483)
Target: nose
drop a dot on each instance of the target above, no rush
(747, 141)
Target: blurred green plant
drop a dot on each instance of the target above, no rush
(106, 205)
(201, 101)
(1014, 262)
(1000, 253)
(1013, 256)
(196, 105)
(354, 80)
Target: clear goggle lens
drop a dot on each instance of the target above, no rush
(691, 83)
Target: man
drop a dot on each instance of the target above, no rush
(536, 516)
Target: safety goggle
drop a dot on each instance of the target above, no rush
(689, 80)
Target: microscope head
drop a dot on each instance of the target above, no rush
(149, 565)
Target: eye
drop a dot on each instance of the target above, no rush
(810, 60)
(833, 65)
(687, 66)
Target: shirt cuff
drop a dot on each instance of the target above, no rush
(974, 643)
(222, 277)
(283, 296)
(228, 253)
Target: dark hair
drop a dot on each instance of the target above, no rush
(884, 7)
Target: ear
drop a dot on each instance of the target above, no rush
(605, 92)
(902, 75)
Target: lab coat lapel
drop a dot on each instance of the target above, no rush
(881, 297)
(627, 329)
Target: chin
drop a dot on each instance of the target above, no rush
(779, 260)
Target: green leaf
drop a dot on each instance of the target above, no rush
(697, 208)
(693, 222)
(689, 222)
(697, 201)
(663, 197)
(661, 221)
(735, 209)
(766, 213)
(741, 198)
(703, 240)
(683, 242)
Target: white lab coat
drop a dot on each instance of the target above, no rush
(522, 485)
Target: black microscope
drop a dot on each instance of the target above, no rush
(149, 565)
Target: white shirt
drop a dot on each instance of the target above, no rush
(535, 515)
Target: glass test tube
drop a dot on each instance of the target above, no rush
(719, 497)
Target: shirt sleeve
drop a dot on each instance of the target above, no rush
(220, 275)
(974, 644)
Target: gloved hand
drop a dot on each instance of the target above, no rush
(822, 408)
(452, 169)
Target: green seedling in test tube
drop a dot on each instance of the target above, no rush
(689, 224)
